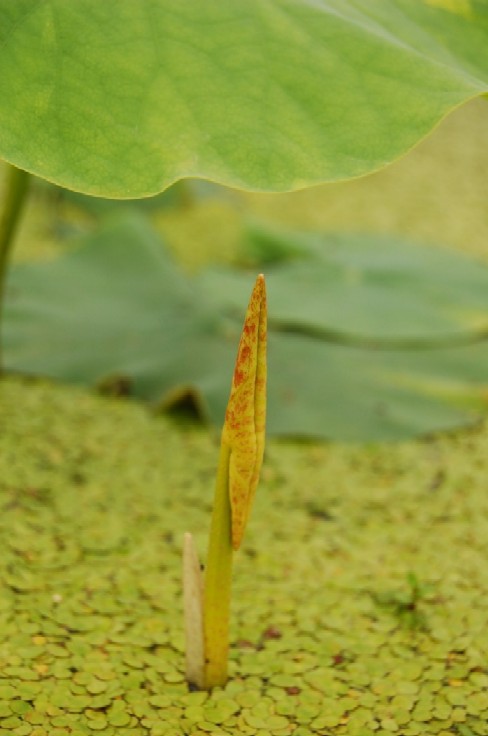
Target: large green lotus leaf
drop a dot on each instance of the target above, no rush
(363, 289)
(121, 98)
(118, 308)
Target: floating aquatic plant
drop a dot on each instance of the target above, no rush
(207, 600)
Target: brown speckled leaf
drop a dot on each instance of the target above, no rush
(245, 417)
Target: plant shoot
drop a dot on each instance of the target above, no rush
(207, 603)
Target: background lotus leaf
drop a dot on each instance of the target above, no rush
(359, 288)
(118, 309)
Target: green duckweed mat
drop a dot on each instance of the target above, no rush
(360, 594)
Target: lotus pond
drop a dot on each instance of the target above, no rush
(360, 594)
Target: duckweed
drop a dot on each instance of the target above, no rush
(95, 496)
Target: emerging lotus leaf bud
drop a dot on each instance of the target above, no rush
(245, 418)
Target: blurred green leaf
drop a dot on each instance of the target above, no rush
(119, 308)
(332, 391)
(362, 289)
(121, 98)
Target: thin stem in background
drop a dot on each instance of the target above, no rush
(17, 184)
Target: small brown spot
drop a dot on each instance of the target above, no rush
(238, 377)
(272, 633)
(244, 354)
(293, 690)
(437, 480)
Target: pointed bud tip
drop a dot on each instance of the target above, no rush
(244, 426)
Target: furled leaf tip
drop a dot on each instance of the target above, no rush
(245, 419)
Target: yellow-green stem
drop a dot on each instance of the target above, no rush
(218, 577)
(15, 195)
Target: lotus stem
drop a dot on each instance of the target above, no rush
(16, 188)
(218, 580)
